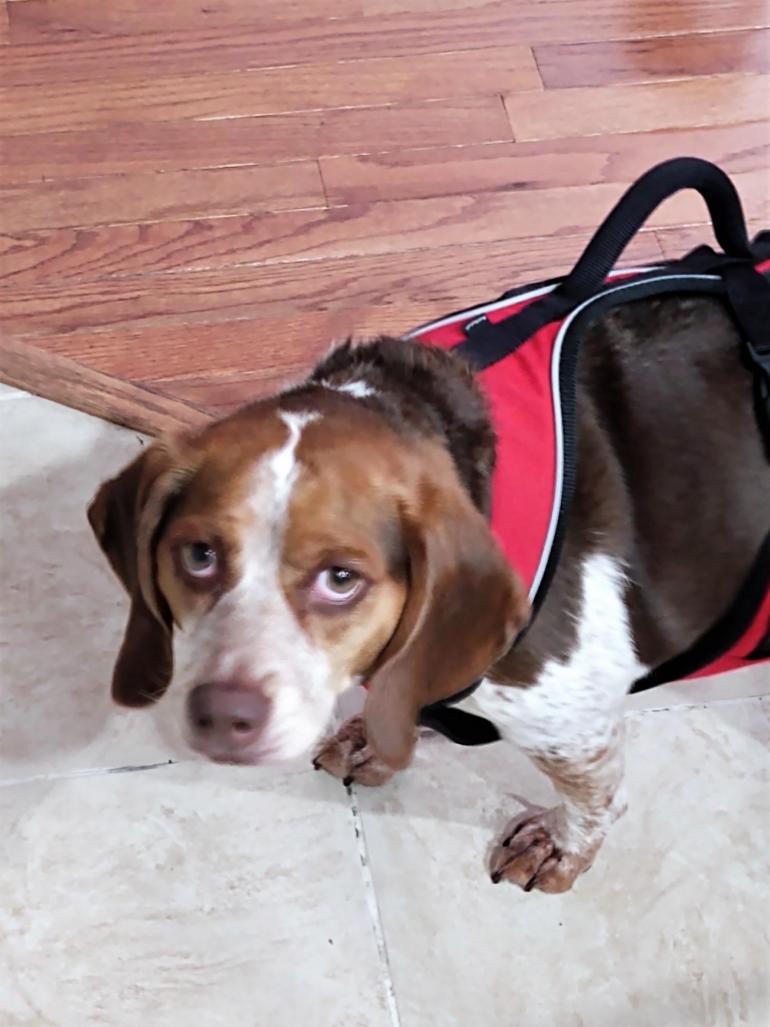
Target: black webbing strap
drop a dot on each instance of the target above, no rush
(487, 342)
(458, 725)
(748, 293)
(636, 205)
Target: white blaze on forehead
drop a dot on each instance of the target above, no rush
(282, 464)
(275, 476)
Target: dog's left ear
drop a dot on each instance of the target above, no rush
(464, 608)
(125, 516)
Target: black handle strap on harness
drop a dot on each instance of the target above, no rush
(636, 205)
(488, 342)
(747, 293)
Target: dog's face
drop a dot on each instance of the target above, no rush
(285, 552)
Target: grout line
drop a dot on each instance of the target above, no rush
(87, 772)
(370, 893)
(695, 704)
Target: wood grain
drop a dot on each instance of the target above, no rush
(351, 83)
(4, 29)
(645, 60)
(434, 28)
(113, 59)
(441, 171)
(180, 145)
(62, 380)
(565, 21)
(269, 345)
(113, 199)
(675, 242)
(687, 103)
(428, 281)
(313, 235)
(222, 394)
(65, 20)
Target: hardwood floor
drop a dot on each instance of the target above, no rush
(195, 198)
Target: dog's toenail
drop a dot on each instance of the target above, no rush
(530, 883)
(496, 876)
(348, 781)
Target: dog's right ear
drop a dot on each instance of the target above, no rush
(125, 516)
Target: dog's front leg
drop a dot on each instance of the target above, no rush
(548, 849)
(569, 721)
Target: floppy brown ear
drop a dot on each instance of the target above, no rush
(464, 608)
(125, 515)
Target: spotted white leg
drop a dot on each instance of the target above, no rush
(570, 723)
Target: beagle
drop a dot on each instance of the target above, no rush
(339, 532)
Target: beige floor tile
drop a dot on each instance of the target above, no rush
(192, 895)
(669, 929)
(61, 610)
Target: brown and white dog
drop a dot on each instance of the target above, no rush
(338, 532)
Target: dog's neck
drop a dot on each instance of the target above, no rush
(423, 390)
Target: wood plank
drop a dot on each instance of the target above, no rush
(268, 346)
(66, 20)
(55, 377)
(441, 171)
(4, 29)
(387, 35)
(304, 236)
(445, 278)
(352, 83)
(220, 50)
(558, 21)
(181, 145)
(646, 60)
(115, 199)
(224, 393)
(596, 110)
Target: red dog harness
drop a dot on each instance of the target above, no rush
(524, 348)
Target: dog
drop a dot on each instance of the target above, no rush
(339, 533)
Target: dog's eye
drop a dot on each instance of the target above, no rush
(198, 559)
(337, 585)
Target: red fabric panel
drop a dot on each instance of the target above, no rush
(518, 390)
(519, 393)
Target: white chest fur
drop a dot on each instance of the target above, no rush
(573, 707)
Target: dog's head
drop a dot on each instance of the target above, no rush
(284, 552)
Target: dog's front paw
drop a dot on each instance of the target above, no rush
(347, 756)
(531, 858)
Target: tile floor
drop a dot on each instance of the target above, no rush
(135, 892)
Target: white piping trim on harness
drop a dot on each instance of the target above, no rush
(555, 367)
(499, 304)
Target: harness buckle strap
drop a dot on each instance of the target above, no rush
(748, 293)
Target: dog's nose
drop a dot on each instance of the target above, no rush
(226, 719)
